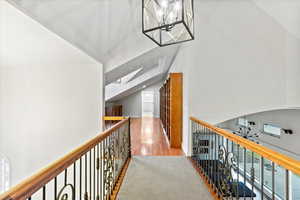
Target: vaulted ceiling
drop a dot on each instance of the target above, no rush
(110, 31)
(107, 30)
(101, 28)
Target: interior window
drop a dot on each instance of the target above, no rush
(243, 122)
(272, 130)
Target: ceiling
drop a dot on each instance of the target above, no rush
(101, 28)
(146, 61)
(107, 30)
(110, 31)
(151, 66)
(284, 12)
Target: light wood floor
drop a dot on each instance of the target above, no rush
(148, 139)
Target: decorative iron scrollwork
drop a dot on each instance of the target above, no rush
(109, 158)
(227, 163)
(66, 193)
(124, 147)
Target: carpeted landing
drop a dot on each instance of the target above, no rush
(162, 178)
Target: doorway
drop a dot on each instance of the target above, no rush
(147, 103)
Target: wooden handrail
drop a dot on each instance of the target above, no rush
(32, 184)
(113, 118)
(278, 158)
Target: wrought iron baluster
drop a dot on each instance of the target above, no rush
(262, 178)
(94, 175)
(203, 157)
(225, 170)
(90, 178)
(44, 192)
(207, 155)
(203, 136)
(232, 150)
(238, 172)
(98, 174)
(66, 192)
(55, 188)
(113, 157)
(112, 170)
(114, 152)
(217, 165)
(85, 178)
(245, 159)
(66, 176)
(74, 179)
(193, 140)
(287, 185)
(108, 178)
(227, 148)
(206, 151)
(105, 169)
(101, 171)
(199, 158)
(210, 171)
(216, 178)
(118, 160)
(214, 160)
(80, 177)
(252, 174)
(129, 137)
(273, 180)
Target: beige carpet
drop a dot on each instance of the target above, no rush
(162, 178)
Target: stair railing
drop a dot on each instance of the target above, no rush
(236, 168)
(91, 171)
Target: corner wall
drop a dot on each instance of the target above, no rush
(51, 94)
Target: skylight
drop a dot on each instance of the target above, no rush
(128, 77)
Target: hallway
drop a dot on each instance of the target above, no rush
(157, 171)
(148, 139)
(162, 178)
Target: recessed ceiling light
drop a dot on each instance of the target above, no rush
(144, 86)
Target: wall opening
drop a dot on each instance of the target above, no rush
(147, 103)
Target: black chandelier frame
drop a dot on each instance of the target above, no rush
(182, 21)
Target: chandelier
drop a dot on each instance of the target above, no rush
(248, 132)
(168, 22)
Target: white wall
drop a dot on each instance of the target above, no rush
(132, 104)
(242, 61)
(51, 94)
(287, 119)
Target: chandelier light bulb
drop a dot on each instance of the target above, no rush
(177, 6)
(164, 4)
(171, 16)
(159, 13)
